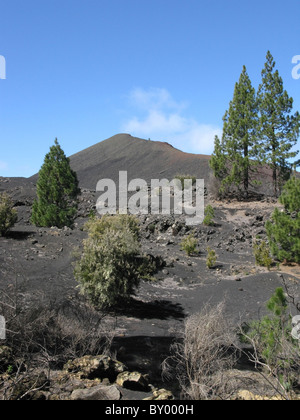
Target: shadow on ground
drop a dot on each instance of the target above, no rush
(158, 309)
(19, 235)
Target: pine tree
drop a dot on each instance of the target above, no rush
(218, 160)
(236, 155)
(279, 129)
(284, 229)
(57, 191)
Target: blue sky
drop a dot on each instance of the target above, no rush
(84, 70)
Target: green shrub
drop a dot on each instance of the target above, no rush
(209, 214)
(96, 227)
(8, 215)
(211, 258)
(189, 244)
(262, 254)
(273, 343)
(110, 268)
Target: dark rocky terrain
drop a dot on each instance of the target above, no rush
(39, 260)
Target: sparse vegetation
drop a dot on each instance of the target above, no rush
(111, 263)
(44, 335)
(274, 349)
(96, 227)
(199, 360)
(189, 244)
(211, 258)
(109, 269)
(262, 254)
(8, 215)
(209, 214)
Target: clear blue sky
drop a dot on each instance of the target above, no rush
(84, 70)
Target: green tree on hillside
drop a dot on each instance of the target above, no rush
(57, 191)
(284, 228)
(236, 155)
(279, 129)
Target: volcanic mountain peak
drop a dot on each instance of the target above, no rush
(145, 159)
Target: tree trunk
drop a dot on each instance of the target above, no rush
(274, 164)
(275, 182)
(246, 171)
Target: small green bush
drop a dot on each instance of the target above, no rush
(262, 254)
(211, 258)
(111, 266)
(189, 244)
(272, 339)
(8, 215)
(96, 227)
(209, 214)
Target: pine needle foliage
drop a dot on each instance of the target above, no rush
(57, 191)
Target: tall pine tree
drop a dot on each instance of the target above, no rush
(57, 191)
(279, 129)
(236, 155)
